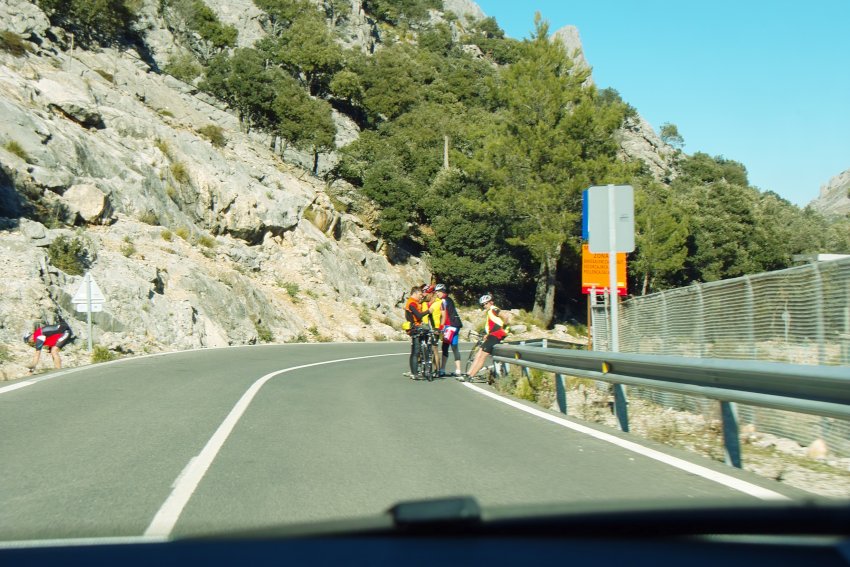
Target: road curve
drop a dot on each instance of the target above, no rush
(223, 439)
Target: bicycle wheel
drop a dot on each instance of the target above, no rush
(476, 347)
(431, 363)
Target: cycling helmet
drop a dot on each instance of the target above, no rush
(440, 287)
(485, 298)
(427, 288)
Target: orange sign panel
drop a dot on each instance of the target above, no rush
(594, 271)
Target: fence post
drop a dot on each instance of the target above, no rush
(818, 300)
(701, 321)
(731, 440)
(751, 316)
(665, 338)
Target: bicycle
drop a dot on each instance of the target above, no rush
(493, 370)
(426, 362)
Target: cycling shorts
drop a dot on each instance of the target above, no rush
(489, 343)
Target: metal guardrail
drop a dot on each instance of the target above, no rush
(818, 390)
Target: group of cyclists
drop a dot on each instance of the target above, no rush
(429, 311)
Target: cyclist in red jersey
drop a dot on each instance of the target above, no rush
(52, 336)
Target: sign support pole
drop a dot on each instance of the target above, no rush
(88, 306)
(612, 271)
(620, 401)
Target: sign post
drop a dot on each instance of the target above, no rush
(609, 219)
(89, 299)
(611, 229)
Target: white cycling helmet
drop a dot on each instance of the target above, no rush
(485, 298)
(440, 287)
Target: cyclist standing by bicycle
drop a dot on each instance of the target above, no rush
(413, 316)
(496, 332)
(433, 304)
(450, 326)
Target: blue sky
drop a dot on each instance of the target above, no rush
(762, 82)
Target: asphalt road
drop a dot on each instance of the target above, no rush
(227, 439)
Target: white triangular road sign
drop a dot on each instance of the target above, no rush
(96, 294)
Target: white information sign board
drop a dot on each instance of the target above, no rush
(600, 213)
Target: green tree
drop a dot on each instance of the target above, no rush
(199, 18)
(722, 226)
(437, 39)
(304, 122)
(396, 11)
(468, 247)
(70, 254)
(93, 21)
(394, 80)
(661, 236)
(702, 168)
(308, 51)
(336, 10)
(243, 81)
(281, 13)
(491, 40)
(554, 140)
(346, 85)
(670, 135)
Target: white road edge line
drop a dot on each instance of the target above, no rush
(16, 386)
(704, 472)
(190, 477)
(65, 371)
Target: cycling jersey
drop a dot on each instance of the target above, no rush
(413, 313)
(52, 336)
(436, 313)
(495, 325)
(451, 315)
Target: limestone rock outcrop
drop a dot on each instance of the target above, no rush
(194, 244)
(834, 197)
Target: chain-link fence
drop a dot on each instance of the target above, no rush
(800, 315)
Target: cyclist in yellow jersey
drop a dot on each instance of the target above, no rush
(496, 331)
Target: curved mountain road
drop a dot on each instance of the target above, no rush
(229, 439)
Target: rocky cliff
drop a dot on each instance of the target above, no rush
(834, 197)
(196, 239)
(637, 139)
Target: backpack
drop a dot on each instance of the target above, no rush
(451, 310)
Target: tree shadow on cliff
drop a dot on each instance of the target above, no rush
(12, 206)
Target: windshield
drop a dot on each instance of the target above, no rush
(307, 261)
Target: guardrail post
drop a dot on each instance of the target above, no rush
(621, 407)
(561, 392)
(560, 387)
(731, 439)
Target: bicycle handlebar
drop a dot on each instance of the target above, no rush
(473, 335)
